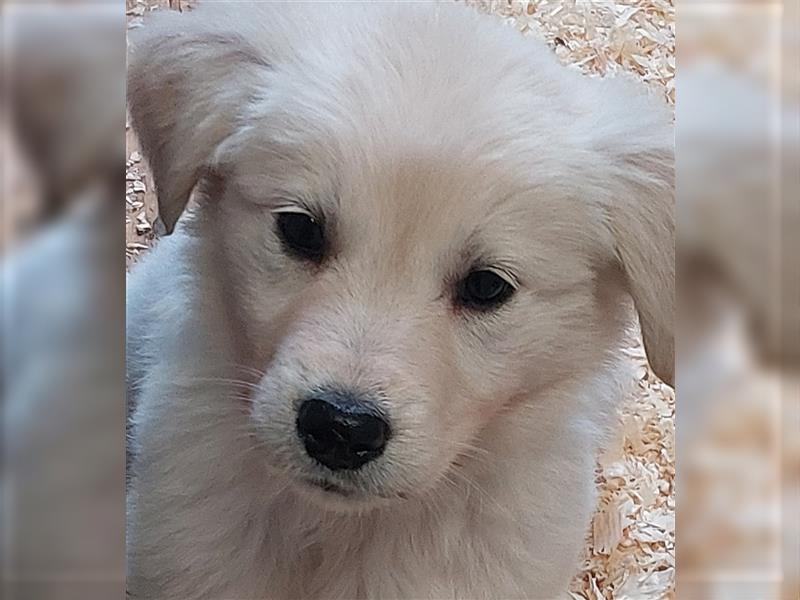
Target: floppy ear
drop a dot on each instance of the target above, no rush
(643, 228)
(189, 80)
(636, 141)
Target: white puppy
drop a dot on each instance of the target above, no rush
(377, 359)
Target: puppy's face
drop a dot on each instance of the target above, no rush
(411, 255)
(418, 285)
(400, 268)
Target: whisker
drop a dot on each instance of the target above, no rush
(227, 381)
(257, 373)
(474, 448)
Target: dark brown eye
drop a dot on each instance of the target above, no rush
(302, 235)
(484, 290)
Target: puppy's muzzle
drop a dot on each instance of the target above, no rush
(341, 431)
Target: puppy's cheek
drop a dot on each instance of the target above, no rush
(416, 459)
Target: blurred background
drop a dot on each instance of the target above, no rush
(62, 268)
(62, 280)
(738, 390)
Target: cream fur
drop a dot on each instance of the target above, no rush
(431, 137)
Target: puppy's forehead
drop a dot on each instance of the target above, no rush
(440, 200)
(409, 191)
(375, 96)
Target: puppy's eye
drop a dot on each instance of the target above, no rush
(302, 235)
(484, 290)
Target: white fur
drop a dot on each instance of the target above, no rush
(431, 137)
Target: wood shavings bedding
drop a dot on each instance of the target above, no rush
(630, 549)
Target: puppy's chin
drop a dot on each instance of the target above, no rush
(337, 498)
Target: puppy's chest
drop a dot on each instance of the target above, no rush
(367, 571)
(400, 560)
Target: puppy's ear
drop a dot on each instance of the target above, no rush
(643, 227)
(634, 134)
(189, 81)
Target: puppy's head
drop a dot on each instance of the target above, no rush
(423, 220)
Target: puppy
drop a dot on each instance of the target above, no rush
(377, 358)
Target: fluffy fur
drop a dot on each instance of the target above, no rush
(432, 139)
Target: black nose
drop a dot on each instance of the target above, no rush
(341, 432)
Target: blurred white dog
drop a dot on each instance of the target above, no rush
(379, 356)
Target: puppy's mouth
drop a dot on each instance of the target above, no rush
(329, 487)
(341, 498)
